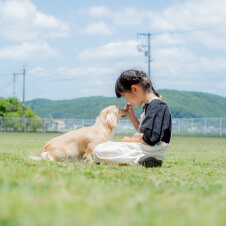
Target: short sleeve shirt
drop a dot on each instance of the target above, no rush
(157, 124)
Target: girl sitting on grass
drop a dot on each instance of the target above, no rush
(150, 145)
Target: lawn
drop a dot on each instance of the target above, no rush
(188, 190)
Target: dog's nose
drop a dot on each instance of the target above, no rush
(125, 110)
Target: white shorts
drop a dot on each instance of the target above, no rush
(125, 153)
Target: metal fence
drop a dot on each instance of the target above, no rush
(180, 126)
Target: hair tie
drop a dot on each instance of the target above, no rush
(147, 80)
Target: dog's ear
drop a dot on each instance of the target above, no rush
(97, 119)
(112, 119)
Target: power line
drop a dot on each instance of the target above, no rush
(193, 73)
(104, 78)
(89, 76)
(8, 84)
(189, 78)
(4, 74)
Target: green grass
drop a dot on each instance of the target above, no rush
(188, 190)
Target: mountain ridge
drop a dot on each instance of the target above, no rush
(183, 104)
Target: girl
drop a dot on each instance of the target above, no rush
(150, 145)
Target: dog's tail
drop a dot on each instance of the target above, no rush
(35, 158)
(44, 156)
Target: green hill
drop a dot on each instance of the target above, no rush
(183, 104)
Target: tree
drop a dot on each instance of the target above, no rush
(10, 105)
(12, 108)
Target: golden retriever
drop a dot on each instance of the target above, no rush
(80, 143)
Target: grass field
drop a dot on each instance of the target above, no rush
(188, 190)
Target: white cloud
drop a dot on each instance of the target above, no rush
(117, 55)
(182, 63)
(202, 21)
(80, 73)
(185, 61)
(20, 20)
(128, 17)
(189, 15)
(97, 28)
(213, 40)
(222, 85)
(167, 40)
(39, 72)
(173, 66)
(74, 82)
(99, 11)
(125, 16)
(26, 51)
(111, 50)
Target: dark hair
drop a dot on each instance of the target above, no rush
(132, 77)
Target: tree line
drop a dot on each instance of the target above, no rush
(183, 104)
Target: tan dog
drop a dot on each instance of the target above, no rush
(80, 143)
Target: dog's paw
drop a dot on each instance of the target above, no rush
(89, 160)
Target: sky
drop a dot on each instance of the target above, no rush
(71, 49)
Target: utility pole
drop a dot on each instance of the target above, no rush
(24, 73)
(145, 47)
(23, 103)
(14, 84)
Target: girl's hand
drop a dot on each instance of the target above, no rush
(137, 135)
(125, 139)
(130, 108)
(133, 140)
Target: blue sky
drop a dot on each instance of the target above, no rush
(74, 49)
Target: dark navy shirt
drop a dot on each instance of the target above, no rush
(157, 124)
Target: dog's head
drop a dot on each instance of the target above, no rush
(112, 114)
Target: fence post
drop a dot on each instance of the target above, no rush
(44, 129)
(178, 127)
(205, 127)
(82, 123)
(25, 125)
(5, 127)
(126, 126)
(220, 127)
